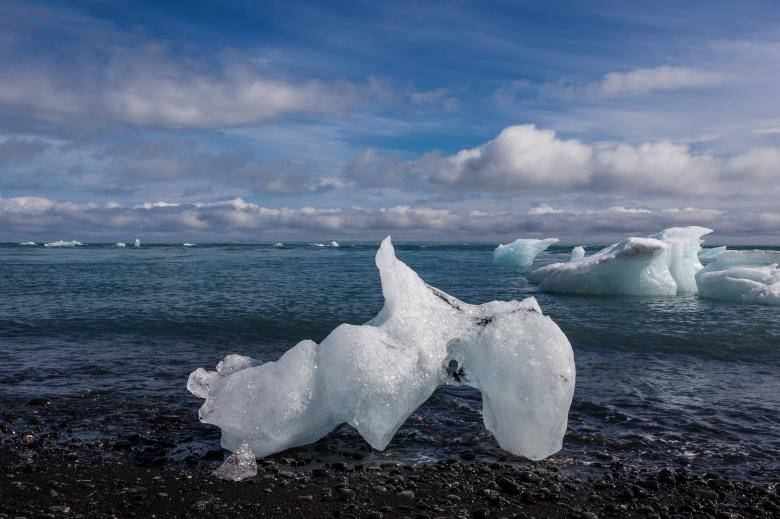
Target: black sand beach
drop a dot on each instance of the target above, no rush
(88, 456)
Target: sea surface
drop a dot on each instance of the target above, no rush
(661, 381)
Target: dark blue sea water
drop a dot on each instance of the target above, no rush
(661, 381)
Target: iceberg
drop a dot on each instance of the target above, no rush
(239, 465)
(751, 276)
(187, 244)
(28, 243)
(137, 242)
(279, 245)
(317, 244)
(520, 253)
(711, 252)
(334, 243)
(578, 252)
(61, 243)
(120, 244)
(374, 376)
(662, 265)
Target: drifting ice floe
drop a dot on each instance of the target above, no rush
(751, 276)
(137, 242)
(28, 243)
(374, 376)
(520, 253)
(663, 265)
(61, 243)
(120, 244)
(187, 244)
(334, 243)
(279, 245)
(577, 252)
(318, 244)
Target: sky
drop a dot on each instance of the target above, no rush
(441, 121)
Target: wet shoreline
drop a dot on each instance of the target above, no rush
(82, 455)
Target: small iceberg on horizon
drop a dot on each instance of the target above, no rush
(188, 244)
(577, 252)
(279, 245)
(664, 264)
(374, 376)
(334, 243)
(27, 243)
(317, 244)
(749, 276)
(120, 244)
(137, 242)
(60, 243)
(521, 252)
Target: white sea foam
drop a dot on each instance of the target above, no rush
(375, 376)
(521, 252)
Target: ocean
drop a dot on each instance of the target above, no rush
(661, 381)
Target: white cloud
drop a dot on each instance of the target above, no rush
(646, 80)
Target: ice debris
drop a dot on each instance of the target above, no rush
(137, 242)
(61, 243)
(187, 244)
(520, 253)
(334, 243)
(279, 245)
(662, 265)
(28, 243)
(374, 376)
(711, 253)
(120, 244)
(239, 465)
(751, 276)
(578, 252)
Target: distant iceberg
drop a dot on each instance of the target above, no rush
(28, 243)
(61, 243)
(578, 252)
(317, 244)
(137, 242)
(520, 253)
(750, 276)
(662, 265)
(334, 243)
(120, 244)
(187, 244)
(279, 245)
(374, 376)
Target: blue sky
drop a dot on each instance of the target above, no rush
(587, 121)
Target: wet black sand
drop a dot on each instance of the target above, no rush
(92, 456)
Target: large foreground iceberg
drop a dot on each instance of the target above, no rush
(751, 276)
(520, 253)
(662, 265)
(374, 376)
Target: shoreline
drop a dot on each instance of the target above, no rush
(48, 471)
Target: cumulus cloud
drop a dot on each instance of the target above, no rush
(40, 216)
(524, 157)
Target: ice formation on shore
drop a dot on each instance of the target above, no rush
(61, 243)
(578, 252)
(662, 265)
(374, 376)
(239, 465)
(751, 276)
(521, 252)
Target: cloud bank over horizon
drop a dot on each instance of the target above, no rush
(461, 122)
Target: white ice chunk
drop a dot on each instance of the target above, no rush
(374, 376)
(137, 242)
(740, 275)
(28, 243)
(711, 252)
(635, 266)
(520, 253)
(685, 244)
(73, 243)
(318, 244)
(578, 252)
(334, 243)
(279, 245)
(239, 465)
(120, 244)
(187, 244)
